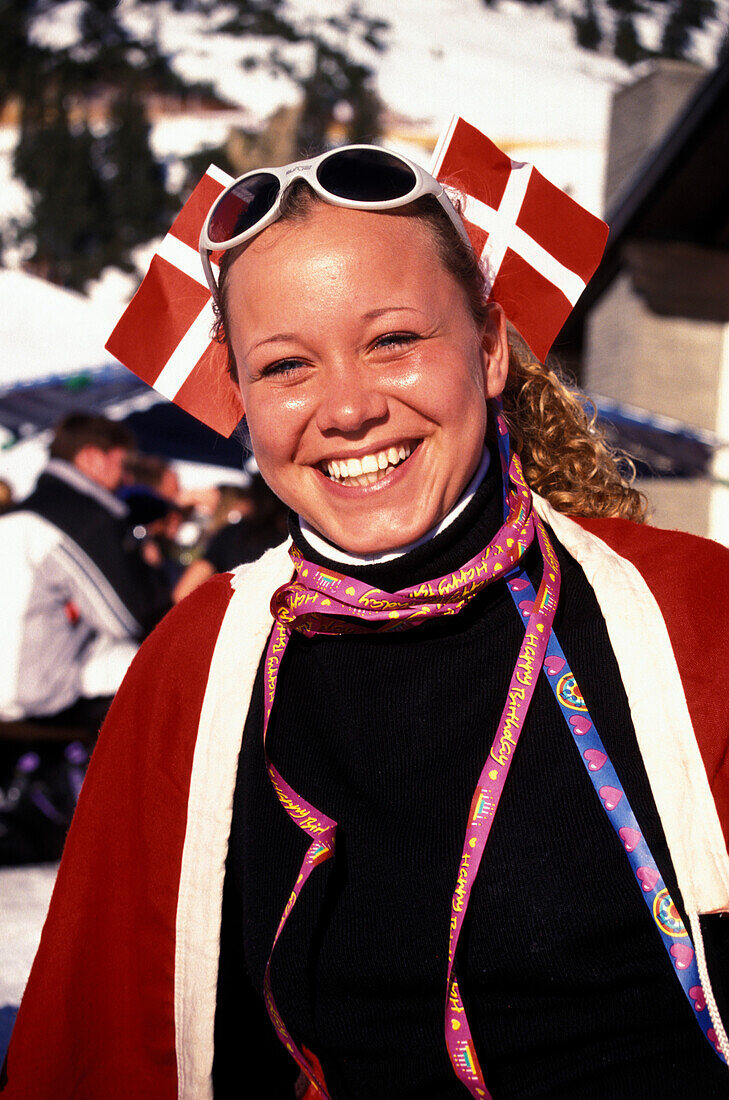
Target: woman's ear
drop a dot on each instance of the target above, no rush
(495, 351)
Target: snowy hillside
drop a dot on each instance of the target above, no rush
(513, 71)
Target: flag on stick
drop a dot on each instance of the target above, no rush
(538, 247)
(164, 334)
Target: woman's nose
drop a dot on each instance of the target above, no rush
(350, 401)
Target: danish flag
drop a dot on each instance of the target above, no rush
(538, 247)
(164, 334)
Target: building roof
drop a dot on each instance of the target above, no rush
(680, 195)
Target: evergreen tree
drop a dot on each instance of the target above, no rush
(685, 17)
(595, 29)
(94, 195)
(336, 82)
(139, 205)
(333, 82)
(97, 193)
(69, 226)
(627, 45)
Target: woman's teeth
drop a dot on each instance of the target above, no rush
(368, 469)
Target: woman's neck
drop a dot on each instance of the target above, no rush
(468, 527)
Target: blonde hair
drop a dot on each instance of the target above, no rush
(565, 456)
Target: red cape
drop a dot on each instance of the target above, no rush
(98, 1019)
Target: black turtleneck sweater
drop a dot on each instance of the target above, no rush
(568, 988)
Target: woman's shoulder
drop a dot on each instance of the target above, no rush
(641, 540)
(193, 619)
(688, 581)
(685, 571)
(674, 563)
(681, 567)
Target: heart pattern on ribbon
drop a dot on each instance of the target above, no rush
(611, 797)
(683, 955)
(631, 838)
(647, 877)
(595, 759)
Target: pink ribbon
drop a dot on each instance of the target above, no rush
(322, 601)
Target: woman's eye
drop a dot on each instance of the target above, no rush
(395, 340)
(282, 367)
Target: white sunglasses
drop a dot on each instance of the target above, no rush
(360, 177)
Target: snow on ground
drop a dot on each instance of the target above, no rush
(46, 330)
(24, 896)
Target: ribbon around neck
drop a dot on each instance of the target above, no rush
(322, 601)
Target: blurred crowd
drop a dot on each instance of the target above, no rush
(89, 563)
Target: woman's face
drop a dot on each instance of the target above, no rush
(363, 375)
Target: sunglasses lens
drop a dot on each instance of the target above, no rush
(366, 175)
(242, 206)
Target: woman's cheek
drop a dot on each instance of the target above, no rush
(276, 421)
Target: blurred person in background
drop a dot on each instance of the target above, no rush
(76, 599)
(151, 492)
(247, 522)
(154, 473)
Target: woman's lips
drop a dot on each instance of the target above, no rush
(368, 469)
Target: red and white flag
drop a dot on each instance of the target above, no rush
(538, 247)
(164, 334)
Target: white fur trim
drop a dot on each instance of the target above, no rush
(243, 634)
(663, 727)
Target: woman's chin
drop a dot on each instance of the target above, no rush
(370, 536)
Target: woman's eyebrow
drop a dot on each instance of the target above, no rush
(370, 315)
(274, 339)
(374, 313)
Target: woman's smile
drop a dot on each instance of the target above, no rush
(361, 471)
(363, 374)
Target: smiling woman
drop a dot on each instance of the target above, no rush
(379, 361)
(415, 781)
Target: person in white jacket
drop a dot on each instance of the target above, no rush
(76, 597)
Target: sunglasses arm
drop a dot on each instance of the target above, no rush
(208, 269)
(445, 202)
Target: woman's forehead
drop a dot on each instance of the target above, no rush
(355, 232)
(336, 254)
